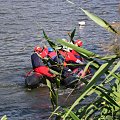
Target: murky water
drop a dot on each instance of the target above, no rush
(21, 24)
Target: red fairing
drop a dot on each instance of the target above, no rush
(44, 70)
(52, 54)
(44, 53)
(70, 57)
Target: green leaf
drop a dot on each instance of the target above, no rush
(72, 36)
(54, 72)
(49, 84)
(90, 110)
(54, 112)
(74, 117)
(116, 67)
(4, 117)
(57, 82)
(53, 94)
(106, 96)
(108, 117)
(89, 86)
(108, 57)
(99, 21)
(81, 50)
(87, 66)
(52, 44)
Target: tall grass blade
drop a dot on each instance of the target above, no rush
(74, 117)
(116, 67)
(81, 50)
(106, 96)
(53, 94)
(48, 40)
(108, 57)
(54, 112)
(89, 86)
(72, 36)
(4, 117)
(49, 84)
(99, 21)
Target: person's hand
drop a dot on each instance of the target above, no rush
(79, 61)
(53, 75)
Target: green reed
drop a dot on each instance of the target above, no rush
(106, 103)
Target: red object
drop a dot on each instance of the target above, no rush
(65, 64)
(70, 57)
(82, 73)
(52, 54)
(44, 52)
(44, 70)
(74, 52)
(79, 43)
(77, 54)
(63, 53)
(37, 49)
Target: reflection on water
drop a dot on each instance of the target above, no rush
(21, 24)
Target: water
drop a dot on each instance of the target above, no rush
(21, 24)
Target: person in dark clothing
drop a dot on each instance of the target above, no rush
(38, 65)
(40, 72)
(36, 60)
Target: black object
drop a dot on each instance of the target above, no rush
(33, 80)
(36, 61)
(71, 81)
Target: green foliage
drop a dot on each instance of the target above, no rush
(100, 21)
(106, 103)
(48, 40)
(53, 94)
(4, 117)
(71, 35)
(81, 50)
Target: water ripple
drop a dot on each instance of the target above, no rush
(21, 23)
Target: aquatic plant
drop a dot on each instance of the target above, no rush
(104, 86)
(4, 117)
(107, 99)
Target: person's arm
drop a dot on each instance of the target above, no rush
(71, 57)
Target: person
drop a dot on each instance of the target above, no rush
(69, 57)
(52, 54)
(43, 52)
(37, 63)
(81, 72)
(78, 43)
(39, 66)
(40, 71)
(74, 57)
